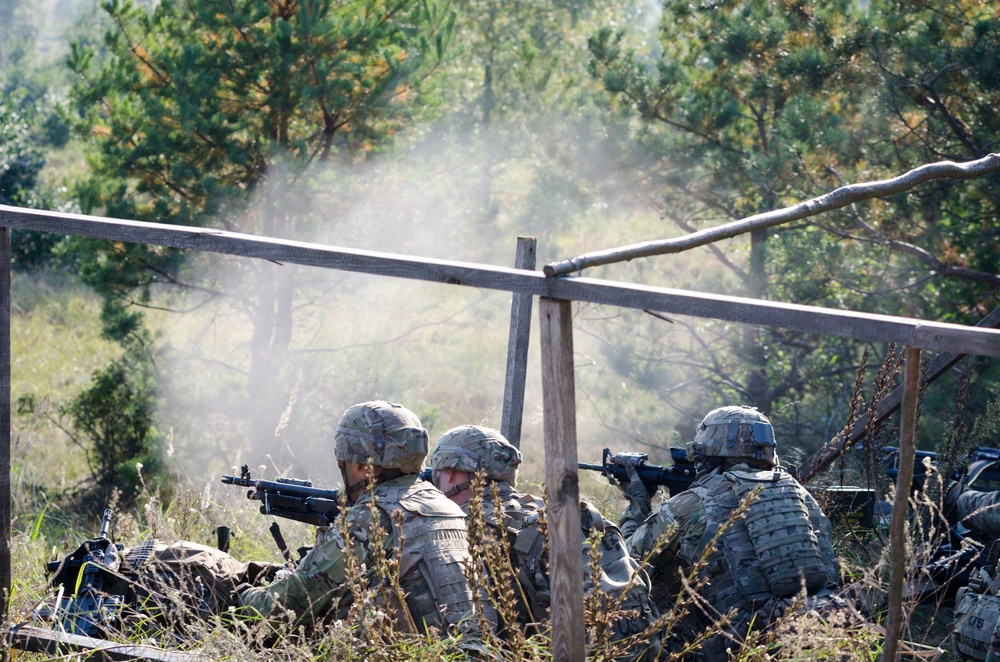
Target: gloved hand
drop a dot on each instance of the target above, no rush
(639, 497)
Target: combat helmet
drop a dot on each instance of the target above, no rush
(472, 448)
(734, 433)
(381, 433)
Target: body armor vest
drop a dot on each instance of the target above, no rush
(620, 577)
(976, 617)
(773, 550)
(434, 551)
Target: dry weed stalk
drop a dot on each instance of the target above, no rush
(498, 558)
(360, 595)
(598, 608)
(478, 540)
(379, 568)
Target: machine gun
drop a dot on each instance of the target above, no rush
(293, 498)
(677, 477)
(984, 462)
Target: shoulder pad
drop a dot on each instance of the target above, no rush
(425, 499)
(763, 476)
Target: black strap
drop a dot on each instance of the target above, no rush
(279, 540)
(458, 488)
(386, 475)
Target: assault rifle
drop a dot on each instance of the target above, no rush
(292, 498)
(987, 478)
(677, 477)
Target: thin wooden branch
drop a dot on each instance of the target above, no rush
(835, 199)
(5, 367)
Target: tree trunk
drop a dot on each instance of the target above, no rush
(272, 329)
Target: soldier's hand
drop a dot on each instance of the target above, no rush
(634, 488)
(639, 497)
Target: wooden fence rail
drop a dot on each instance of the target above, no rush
(923, 334)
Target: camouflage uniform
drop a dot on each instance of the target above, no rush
(432, 530)
(977, 606)
(473, 448)
(980, 511)
(780, 543)
(973, 504)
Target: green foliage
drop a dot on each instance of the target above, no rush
(222, 114)
(30, 127)
(20, 157)
(116, 413)
(749, 106)
(203, 100)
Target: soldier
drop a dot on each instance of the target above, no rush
(977, 606)
(780, 542)
(467, 449)
(386, 442)
(978, 509)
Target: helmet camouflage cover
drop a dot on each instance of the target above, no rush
(736, 432)
(381, 433)
(473, 447)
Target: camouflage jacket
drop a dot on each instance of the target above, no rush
(620, 576)
(434, 550)
(980, 511)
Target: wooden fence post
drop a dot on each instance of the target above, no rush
(517, 348)
(562, 480)
(5, 572)
(901, 502)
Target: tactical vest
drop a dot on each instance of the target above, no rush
(620, 577)
(435, 550)
(772, 551)
(977, 615)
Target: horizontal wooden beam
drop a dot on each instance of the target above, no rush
(59, 644)
(922, 334)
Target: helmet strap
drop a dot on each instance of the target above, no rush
(455, 489)
(708, 464)
(386, 475)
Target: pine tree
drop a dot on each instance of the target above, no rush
(218, 113)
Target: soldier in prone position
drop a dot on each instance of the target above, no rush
(779, 544)
(467, 449)
(976, 632)
(387, 441)
(378, 438)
